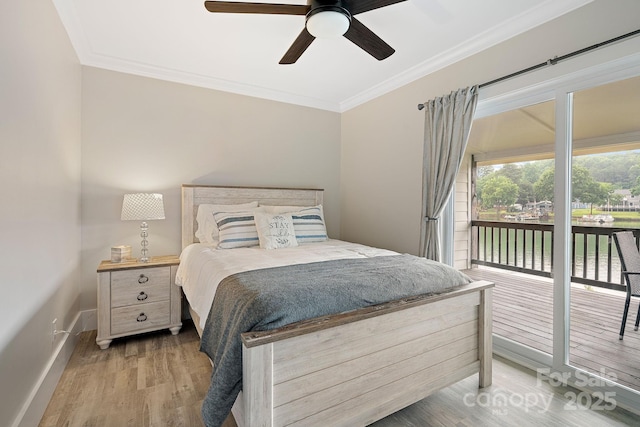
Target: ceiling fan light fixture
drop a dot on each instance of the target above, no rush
(328, 24)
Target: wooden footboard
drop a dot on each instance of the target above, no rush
(355, 368)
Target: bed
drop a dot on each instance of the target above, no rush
(354, 367)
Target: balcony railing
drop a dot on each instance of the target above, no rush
(528, 248)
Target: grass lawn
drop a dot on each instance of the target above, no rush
(490, 215)
(620, 216)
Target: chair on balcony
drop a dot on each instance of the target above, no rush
(630, 259)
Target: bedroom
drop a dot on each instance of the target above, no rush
(75, 138)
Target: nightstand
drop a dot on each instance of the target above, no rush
(135, 297)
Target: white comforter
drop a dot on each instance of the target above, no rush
(202, 267)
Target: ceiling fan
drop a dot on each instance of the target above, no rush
(324, 18)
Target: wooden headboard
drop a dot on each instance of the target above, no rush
(195, 195)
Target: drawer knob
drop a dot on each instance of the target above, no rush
(142, 296)
(143, 279)
(142, 317)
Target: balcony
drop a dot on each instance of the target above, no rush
(517, 257)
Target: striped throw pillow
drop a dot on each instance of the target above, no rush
(309, 225)
(236, 230)
(207, 231)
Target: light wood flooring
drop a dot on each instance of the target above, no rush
(160, 380)
(155, 379)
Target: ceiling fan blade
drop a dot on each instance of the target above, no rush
(298, 47)
(268, 8)
(359, 6)
(368, 41)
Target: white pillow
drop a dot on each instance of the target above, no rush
(236, 229)
(275, 230)
(207, 231)
(281, 209)
(309, 226)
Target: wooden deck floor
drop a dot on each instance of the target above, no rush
(523, 312)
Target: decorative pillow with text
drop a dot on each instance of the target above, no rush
(275, 230)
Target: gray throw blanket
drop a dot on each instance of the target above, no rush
(270, 298)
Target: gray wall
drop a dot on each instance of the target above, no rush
(141, 134)
(40, 104)
(381, 181)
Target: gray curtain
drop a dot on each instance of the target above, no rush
(446, 131)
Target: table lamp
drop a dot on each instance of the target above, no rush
(142, 207)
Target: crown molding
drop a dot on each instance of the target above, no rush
(177, 76)
(88, 57)
(543, 12)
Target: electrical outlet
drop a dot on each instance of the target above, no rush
(54, 329)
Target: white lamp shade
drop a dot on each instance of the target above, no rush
(328, 24)
(142, 207)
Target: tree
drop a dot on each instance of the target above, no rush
(499, 191)
(615, 168)
(634, 177)
(615, 199)
(545, 186)
(610, 197)
(532, 171)
(635, 190)
(594, 193)
(583, 187)
(594, 178)
(511, 171)
(483, 171)
(526, 193)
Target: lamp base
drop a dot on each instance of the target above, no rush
(144, 227)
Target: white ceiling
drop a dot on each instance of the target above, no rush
(180, 41)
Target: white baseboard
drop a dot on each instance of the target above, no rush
(36, 404)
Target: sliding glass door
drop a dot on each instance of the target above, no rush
(513, 221)
(605, 198)
(590, 188)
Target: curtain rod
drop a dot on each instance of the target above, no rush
(555, 60)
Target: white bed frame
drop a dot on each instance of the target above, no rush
(354, 368)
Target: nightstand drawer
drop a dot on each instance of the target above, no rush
(135, 318)
(129, 287)
(136, 297)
